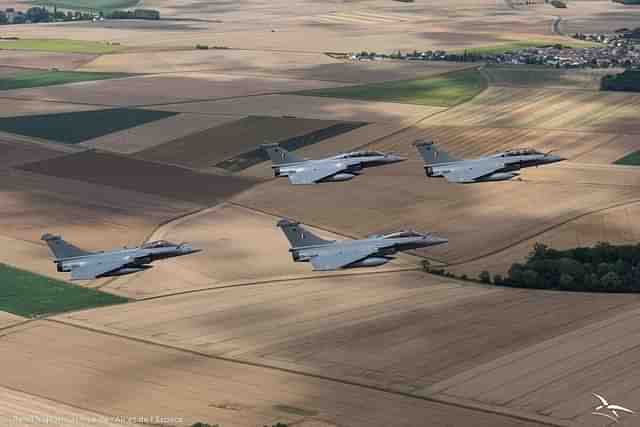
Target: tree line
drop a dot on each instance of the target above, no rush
(602, 268)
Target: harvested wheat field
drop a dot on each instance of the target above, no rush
(477, 219)
(8, 319)
(240, 246)
(18, 408)
(309, 107)
(550, 109)
(163, 89)
(140, 379)
(206, 148)
(145, 177)
(398, 330)
(616, 225)
(158, 132)
(44, 60)
(557, 377)
(10, 107)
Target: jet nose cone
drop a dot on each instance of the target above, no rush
(438, 240)
(553, 158)
(393, 158)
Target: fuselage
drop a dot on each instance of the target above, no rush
(382, 247)
(349, 164)
(505, 164)
(133, 259)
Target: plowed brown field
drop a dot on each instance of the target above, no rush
(206, 148)
(136, 175)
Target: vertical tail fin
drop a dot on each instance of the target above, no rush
(61, 249)
(298, 235)
(431, 154)
(279, 155)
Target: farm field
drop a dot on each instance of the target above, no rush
(441, 91)
(206, 148)
(27, 294)
(596, 356)
(156, 133)
(30, 410)
(77, 126)
(309, 107)
(34, 204)
(545, 77)
(27, 79)
(307, 66)
(632, 159)
(145, 177)
(615, 225)
(8, 319)
(195, 388)
(477, 219)
(239, 335)
(164, 89)
(239, 247)
(60, 45)
(432, 327)
(44, 60)
(551, 109)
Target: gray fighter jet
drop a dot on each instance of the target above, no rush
(341, 167)
(370, 252)
(497, 167)
(85, 265)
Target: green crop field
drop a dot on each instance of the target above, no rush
(444, 90)
(632, 159)
(75, 127)
(27, 79)
(540, 76)
(61, 45)
(88, 5)
(27, 294)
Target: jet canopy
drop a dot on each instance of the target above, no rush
(158, 244)
(357, 154)
(402, 234)
(522, 152)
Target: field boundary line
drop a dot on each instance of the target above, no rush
(275, 281)
(442, 400)
(547, 229)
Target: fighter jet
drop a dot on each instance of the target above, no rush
(497, 167)
(375, 250)
(341, 167)
(85, 265)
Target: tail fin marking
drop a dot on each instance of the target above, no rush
(280, 156)
(299, 236)
(431, 154)
(61, 249)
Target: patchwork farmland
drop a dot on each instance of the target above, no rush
(240, 334)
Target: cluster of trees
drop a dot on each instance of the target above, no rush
(628, 80)
(603, 268)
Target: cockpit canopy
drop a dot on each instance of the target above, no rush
(157, 244)
(402, 234)
(358, 154)
(522, 152)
